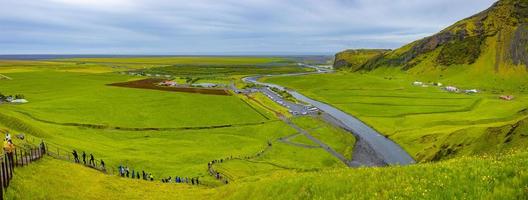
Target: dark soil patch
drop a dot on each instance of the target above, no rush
(152, 84)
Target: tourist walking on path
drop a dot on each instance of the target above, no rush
(121, 171)
(75, 156)
(42, 147)
(103, 165)
(84, 157)
(127, 172)
(92, 160)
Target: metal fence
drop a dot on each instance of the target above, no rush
(20, 157)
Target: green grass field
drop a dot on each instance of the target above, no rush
(484, 177)
(177, 134)
(165, 133)
(425, 121)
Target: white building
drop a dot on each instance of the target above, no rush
(471, 91)
(205, 85)
(19, 101)
(451, 89)
(417, 83)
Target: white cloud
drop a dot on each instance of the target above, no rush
(216, 26)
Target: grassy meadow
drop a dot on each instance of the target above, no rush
(428, 122)
(177, 134)
(483, 177)
(164, 133)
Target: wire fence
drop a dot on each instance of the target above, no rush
(59, 152)
(19, 157)
(24, 155)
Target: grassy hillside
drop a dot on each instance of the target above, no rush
(490, 44)
(489, 177)
(55, 179)
(487, 52)
(353, 59)
(165, 133)
(484, 177)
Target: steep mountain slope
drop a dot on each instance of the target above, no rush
(497, 37)
(353, 59)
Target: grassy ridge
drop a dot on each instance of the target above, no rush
(54, 179)
(488, 177)
(484, 177)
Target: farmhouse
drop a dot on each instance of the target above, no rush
(168, 83)
(19, 101)
(417, 83)
(472, 91)
(507, 97)
(205, 85)
(451, 89)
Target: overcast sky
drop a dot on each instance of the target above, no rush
(221, 26)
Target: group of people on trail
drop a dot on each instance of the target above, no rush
(91, 161)
(177, 179)
(124, 171)
(216, 174)
(219, 176)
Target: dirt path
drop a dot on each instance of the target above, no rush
(6, 77)
(321, 144)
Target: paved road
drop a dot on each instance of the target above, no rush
(383, 148)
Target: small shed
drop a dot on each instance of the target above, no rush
(507, 97)
(472, 91)
(451, 89)
(205, 85)
(417, 83)
(19, 101)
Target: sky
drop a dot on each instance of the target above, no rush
(221, 27)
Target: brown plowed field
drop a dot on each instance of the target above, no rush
(152, 84)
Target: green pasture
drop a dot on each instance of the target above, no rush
(85, 98)
(338, 139)
(421, 119)
(483, 177)
(164, 133)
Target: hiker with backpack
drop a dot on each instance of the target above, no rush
(42, 147)
(103, 165)
(92, 160)
(75, 156)
(84, 157)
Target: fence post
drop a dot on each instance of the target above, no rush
(4, 178)
(1, 190)
(6, 160)
(16, 158)
(11, 167)
(30, 155)
(23, 157)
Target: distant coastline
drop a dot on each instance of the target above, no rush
(64, 56)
